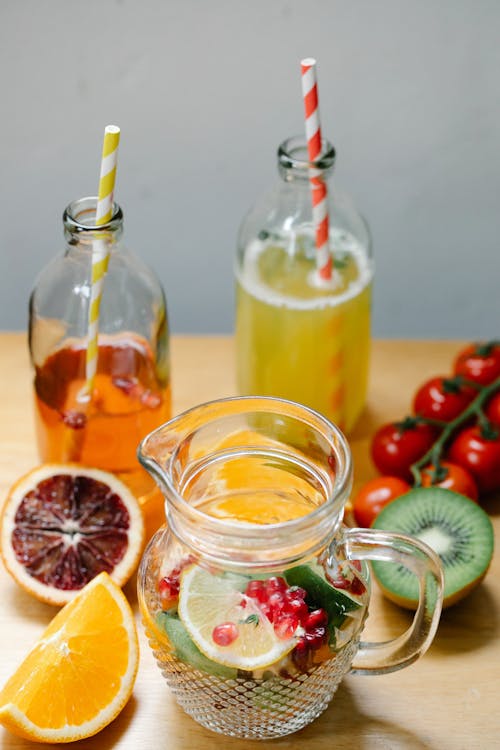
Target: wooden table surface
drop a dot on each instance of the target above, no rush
(448, 700)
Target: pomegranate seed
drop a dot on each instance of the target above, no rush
(315, 638)
(164, 587)
(301, 644)
(315, 619)
(276, 598)
(356, 564)
(168, 590)
(243, 603)
(225, 633)
(340, 582)
(357, 586)
(275, 583)
(286, 626)
(299, 608)
(129, 385)
(150, 400)
(256, 590)
(300, 654)
(76, 420)
(278, 605)
(267, 611)
(296, 592)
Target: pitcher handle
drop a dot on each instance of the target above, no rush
(387, 656)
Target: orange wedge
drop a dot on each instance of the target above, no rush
(80, 674)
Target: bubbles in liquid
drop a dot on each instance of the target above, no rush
(281, 271)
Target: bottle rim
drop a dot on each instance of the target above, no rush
(293, 155)
(79, 216)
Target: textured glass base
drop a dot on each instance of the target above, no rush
(254, 708)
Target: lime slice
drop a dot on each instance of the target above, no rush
(206, 601)
(187, 651)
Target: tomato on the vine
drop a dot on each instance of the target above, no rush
(443, 398)
(492, 410)
(479, 362)
(374, 495)
(451, 477)
(398, 445)
(479, 454)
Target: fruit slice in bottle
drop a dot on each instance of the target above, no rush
(64, 524)
(207, 601)
(456, 528)
(80, 674)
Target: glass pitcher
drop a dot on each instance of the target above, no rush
(255, 594)
(131, 393)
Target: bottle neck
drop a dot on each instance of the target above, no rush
(80, 228)
(294, 163)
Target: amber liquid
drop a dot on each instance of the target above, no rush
(128, 401)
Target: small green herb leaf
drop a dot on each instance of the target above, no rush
(252, 620)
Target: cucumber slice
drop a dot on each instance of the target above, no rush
(187, 651)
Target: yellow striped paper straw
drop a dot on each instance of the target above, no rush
(100, 250)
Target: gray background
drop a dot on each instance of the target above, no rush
(204, 90)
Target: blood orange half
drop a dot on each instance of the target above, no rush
(62, 525)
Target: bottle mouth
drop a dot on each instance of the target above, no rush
(79, 216)
(293, 155)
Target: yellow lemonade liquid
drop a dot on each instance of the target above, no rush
(298, 339)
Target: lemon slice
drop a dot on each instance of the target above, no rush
(206, 601)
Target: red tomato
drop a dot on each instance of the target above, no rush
(479, 455)
(443, 399)
(398, 445)
(479, 362)
(374, 495)
(454, 478)
(493, 409)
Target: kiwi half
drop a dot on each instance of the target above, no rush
(456, 528)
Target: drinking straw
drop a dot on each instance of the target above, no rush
(319, 190)
(100, 251)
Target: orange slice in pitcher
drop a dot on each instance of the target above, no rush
(258, 489)
(80, 674)
(62, 525)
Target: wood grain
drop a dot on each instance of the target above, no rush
(446, 701)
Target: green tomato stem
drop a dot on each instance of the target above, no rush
(475, 408)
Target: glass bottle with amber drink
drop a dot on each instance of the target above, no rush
(131, 388)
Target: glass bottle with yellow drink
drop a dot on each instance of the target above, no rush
(297, 336)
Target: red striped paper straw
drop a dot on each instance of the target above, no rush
(319, 190)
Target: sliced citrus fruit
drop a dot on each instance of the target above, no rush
(210, 603)
(80, 674)
(258, 488)
(64, 524)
